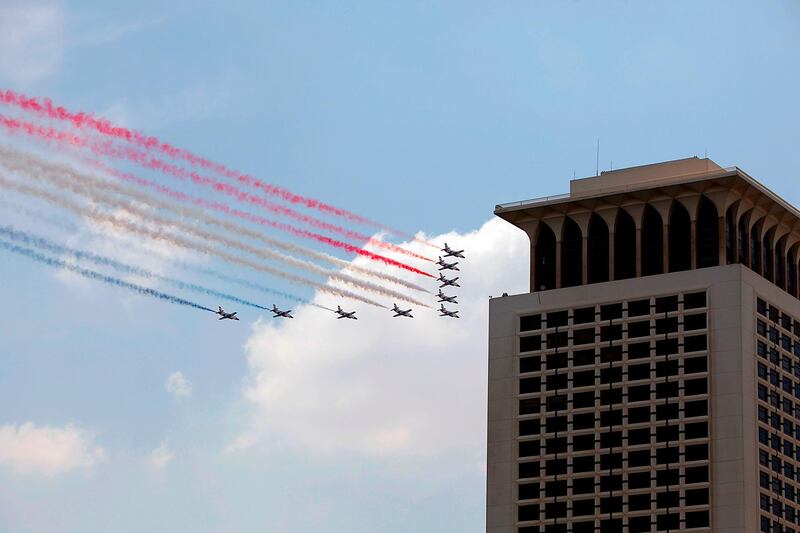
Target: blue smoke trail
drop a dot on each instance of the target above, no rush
(91, 274)
(40, 242)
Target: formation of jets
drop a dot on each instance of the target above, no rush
(442, 297)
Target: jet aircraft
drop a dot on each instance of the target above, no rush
(444, 298)
(401, 312)
(223, 315)
(449, 252)
(446, 282)
(446, 266)
(279, 313)
(444, 312)
(343, 314)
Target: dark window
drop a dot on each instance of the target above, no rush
(611, 525)
(583, 379)
(553, 424)
(583, 485)
(695, 343)
(611, 418)
(555, 488)
(637, 415)
(611, 482)
(556, 403)
(583, 357)
(697, 519)
(556, 360)
(611, 504)
(666, 304)
(667, 390)
(555, 467)
(610, 354)
(529, 427)
(639, 436)
(640, 502)
(582, 443)
(530, 385)
(611, 375)
(698, 430)
(528, 470)
(583, 336)
(639, 458)
(557, 319)
(639, 393)
(583, 315)
(694, 300)
(556, 510)
(529, 344)
(666, 325)
(667, 347)
(666, 456)
(583, 421)
(680, 239)
(624, 246)
(611, 439)
(639, 480)
(667, 368)
(695, 365)
(610, 311)
(697, 474)
(668, 521)
(610, 397)
(609, 461)
(597, 246)
(696, 408)
(638, 350)
(667, 433)
(556, 381)
(583, 464)
(667, 411)
(696, 386)
(528, 491)
(583, 507)
(696, 497)
(530, 364)
(707, 242)
(639, 524)
(529, 406)
(611, 333)
(667, 499)
(583, 399)
(639, 329)
(530, 323)
(527, 512)
(639, 308)
(529, 448)
(696, 452)
(557, 339)
(667, 477)
(639, 372)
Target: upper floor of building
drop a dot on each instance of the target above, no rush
(666, 217)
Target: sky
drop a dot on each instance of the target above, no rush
(122, 413)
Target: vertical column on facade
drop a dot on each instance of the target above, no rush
(722, 241)
(557, 225)
(637, 212)
(663, 207)
(609, 216)
(530, 229)
(582, 220)
(691, 204)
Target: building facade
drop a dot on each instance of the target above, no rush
(650, 381)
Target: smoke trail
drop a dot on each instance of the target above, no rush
(91, 274)
(81, 188)
(64, 225)
(98, 217)
(59, 222)
(282, 226)
(18, 160)
(142, 159)
(45, 244)
(105, 127)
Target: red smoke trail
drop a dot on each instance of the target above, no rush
(105, 127)
(142, 159)
(217, 206)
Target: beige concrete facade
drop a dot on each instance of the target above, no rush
(662, 402)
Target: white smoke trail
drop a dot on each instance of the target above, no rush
(99, 217)
(17, 160)
(88, 186)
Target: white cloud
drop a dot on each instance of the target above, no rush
(31, 40)
(178, 385)
(160, 457)
(381, 385)
(47, 450)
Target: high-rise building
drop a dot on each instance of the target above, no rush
(650, 380)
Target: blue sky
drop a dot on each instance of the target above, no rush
(422, 115)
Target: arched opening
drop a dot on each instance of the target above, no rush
(769, 255)
(597, 262)
(730, 235)
(707, 248)
(755, 247)
(791, 273)
(652, 242)
(744, 241)
(571, 254)
(624, 246)
(545, 259)
(680, 239)
(780, 263)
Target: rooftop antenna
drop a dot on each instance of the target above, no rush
(611, 165)
(597, 163)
